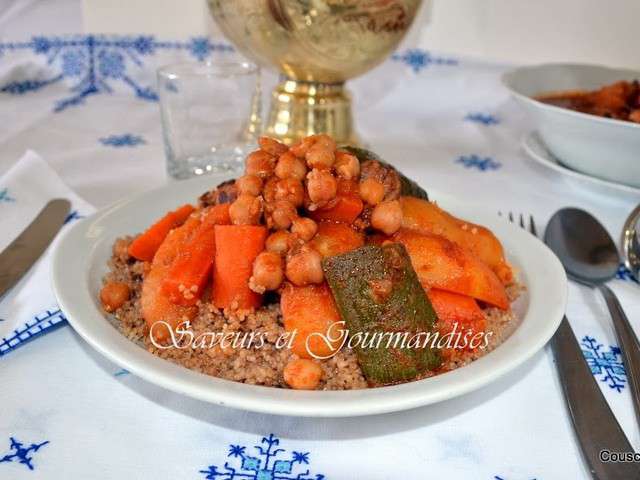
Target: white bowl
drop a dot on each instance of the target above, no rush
(598, 146)
(80, 261)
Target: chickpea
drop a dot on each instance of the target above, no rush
(387, 217)
(347, 166)
(269, 190)
(278, 242)
(249, 184)
(268, 273)
(260, 163)
(371, 191)
(319, 156)
(305, 228)
(302, 374)
(321, 186)
(282, 215)
(291, 190)
(305, 267)
(300, 149)
(272, 146)
(246, 210)
(290, 166)
(121, 249)
(113, 295)
(325, 140)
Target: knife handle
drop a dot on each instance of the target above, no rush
(595, 425)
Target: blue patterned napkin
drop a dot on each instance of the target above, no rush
(29, 309)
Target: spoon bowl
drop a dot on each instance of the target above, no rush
(584, 246)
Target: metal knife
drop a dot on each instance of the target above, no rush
(23, 252)
(595, 424)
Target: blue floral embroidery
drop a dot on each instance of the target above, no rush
(74, 215)
(44, 323)
(253, 468)
(96, 62)
(418, 59)
(21, 454)
(125, 140)
(624, 273)
(605, 365)
(483, 118)
(479, 163)
(5, 197)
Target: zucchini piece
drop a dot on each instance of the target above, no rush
(378, 292)
(407, 186)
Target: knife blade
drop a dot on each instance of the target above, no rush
(24, 251)
(594, 423)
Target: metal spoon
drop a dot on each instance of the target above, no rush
(590, 257)
(631, 244)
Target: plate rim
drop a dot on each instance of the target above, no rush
(533, 137)
(79, 307)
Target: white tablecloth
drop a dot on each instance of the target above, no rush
(447, 122)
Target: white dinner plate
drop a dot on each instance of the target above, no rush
(80, 261)
(535, 147)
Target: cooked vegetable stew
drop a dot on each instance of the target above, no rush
(312, 240)
(620, 100)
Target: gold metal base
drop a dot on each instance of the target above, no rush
(299, 109)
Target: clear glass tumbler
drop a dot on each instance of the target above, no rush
(211, 116)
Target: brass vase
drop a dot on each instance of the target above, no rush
(317, 45)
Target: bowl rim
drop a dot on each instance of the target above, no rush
(507, 77)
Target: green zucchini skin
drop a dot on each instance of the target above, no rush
(400, 306)
(408, 186)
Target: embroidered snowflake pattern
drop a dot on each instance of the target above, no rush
(624, 273)
(605, 365)
(22, 454)
(419, 59)
(482, 164)
(264, 466)
(43, 323)
(74, 215)
(95, 63)
(125, 140)
(482, 118)
(5, 197)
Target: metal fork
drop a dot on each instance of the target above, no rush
(594, 423)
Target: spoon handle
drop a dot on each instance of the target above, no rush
(628, 344)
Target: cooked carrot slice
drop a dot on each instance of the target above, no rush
(453, 308)
(237, 246)
(346, 209)
(189, 273)
(336, 238)
(310, 310)
(155, 304)
(217, 215)
(144, 247)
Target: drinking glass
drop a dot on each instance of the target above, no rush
(211, 116)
